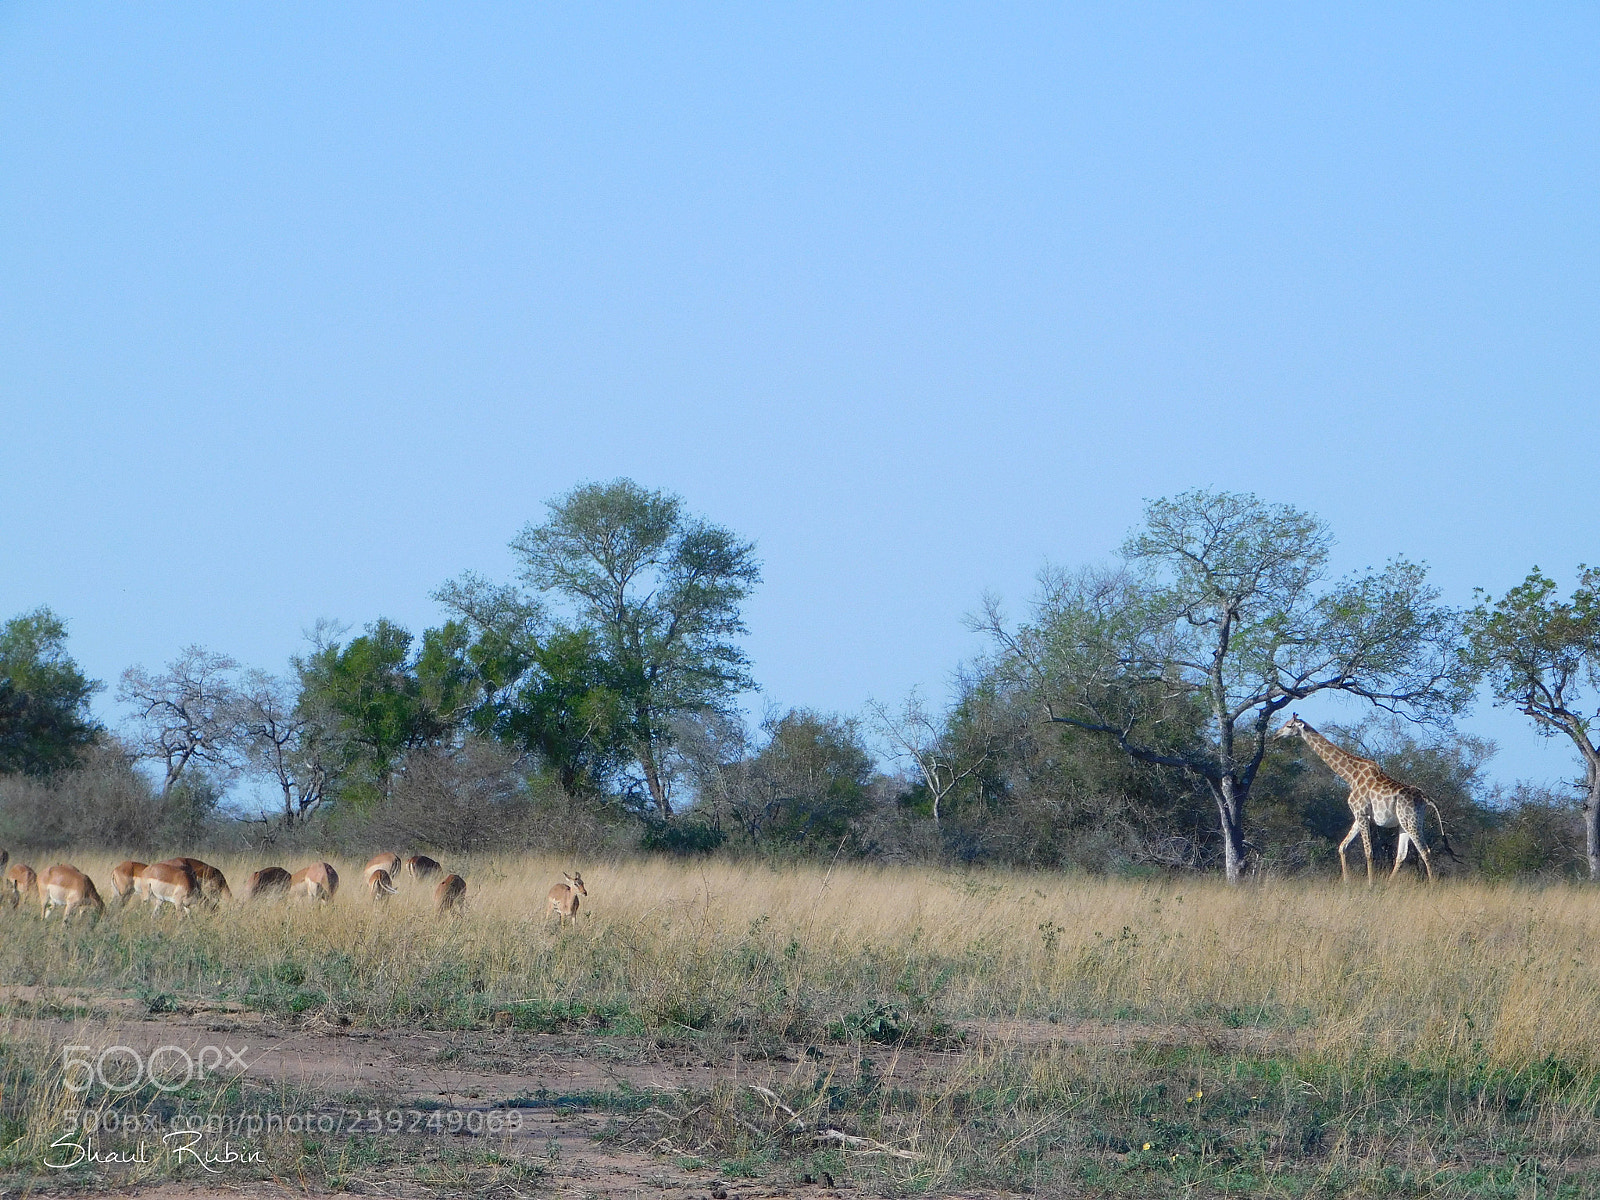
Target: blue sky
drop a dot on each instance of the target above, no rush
(305, 309)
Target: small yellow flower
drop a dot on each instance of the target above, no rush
(1147, 1145)
(1197, 1095)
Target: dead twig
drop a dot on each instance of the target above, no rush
(861, 1145)
(771, 1098)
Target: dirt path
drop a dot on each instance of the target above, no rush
(553, 1079)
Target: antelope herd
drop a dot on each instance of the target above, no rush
(185, 883)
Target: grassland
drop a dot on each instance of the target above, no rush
(1032, 1032)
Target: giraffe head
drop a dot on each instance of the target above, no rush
(1292, 727)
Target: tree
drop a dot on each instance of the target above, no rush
(805, 787)
(44, 697)
(376, 702)
(184, 715)
(1217, 621)
(570, 710)
(661, 591)
(282, 740)
(547, 689)
(1542, 655)
(944, 757)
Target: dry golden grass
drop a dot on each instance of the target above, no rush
(1406, 1039)
(1500, 974)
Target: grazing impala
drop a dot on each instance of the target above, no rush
(213, 883)
(451, 892)
(169, 883)
(268, 879)
(380, 882)
(319, 881)
(420, 867)
(19, 883)
(387, 862)
(123, 876)
(564, 896)
(67, 888)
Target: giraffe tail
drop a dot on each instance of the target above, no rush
(1444, 838)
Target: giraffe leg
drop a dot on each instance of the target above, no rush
(1402, 846)
(1366, 848)
(1413, 827)
(1344, 867)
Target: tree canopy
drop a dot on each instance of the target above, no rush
(659, 592)
(1541, 655)
(44, 697)
(1218, 618)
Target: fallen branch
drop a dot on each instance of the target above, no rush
(861, 1145)
(771, 1098)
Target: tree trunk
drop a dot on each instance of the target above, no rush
(1591, 814)
(652, 778)
(1230, 811)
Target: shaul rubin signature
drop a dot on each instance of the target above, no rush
(180, 1145)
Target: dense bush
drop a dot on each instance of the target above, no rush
(1537, 833)
(103, 802)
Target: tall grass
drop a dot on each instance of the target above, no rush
(1506, 976)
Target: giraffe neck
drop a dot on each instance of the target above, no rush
(1344, 764)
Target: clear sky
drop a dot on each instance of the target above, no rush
(305, 309)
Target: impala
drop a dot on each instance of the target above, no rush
(420, 867)
(319, 881)
(268, 879)
(387, 862)
(67, 888)
(381, 883)
(19, 883)
(213, 883)
(124, 877)
(451, 892)
(169, 883)
(564, 896)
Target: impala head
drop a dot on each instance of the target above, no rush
(575, 882)
(1293, 727)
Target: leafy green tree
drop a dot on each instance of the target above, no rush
(1218, 620)
(376, 702)
(44, 697)
(1541, 655)
(570, 710)
(660, 592)
(808, 783)
(546, 689)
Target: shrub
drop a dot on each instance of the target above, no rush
(103, 802)
(683, 838)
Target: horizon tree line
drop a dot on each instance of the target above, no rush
(1132, 699)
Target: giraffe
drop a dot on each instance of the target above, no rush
(1374, 799)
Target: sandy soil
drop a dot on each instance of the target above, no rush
(485, 1069)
